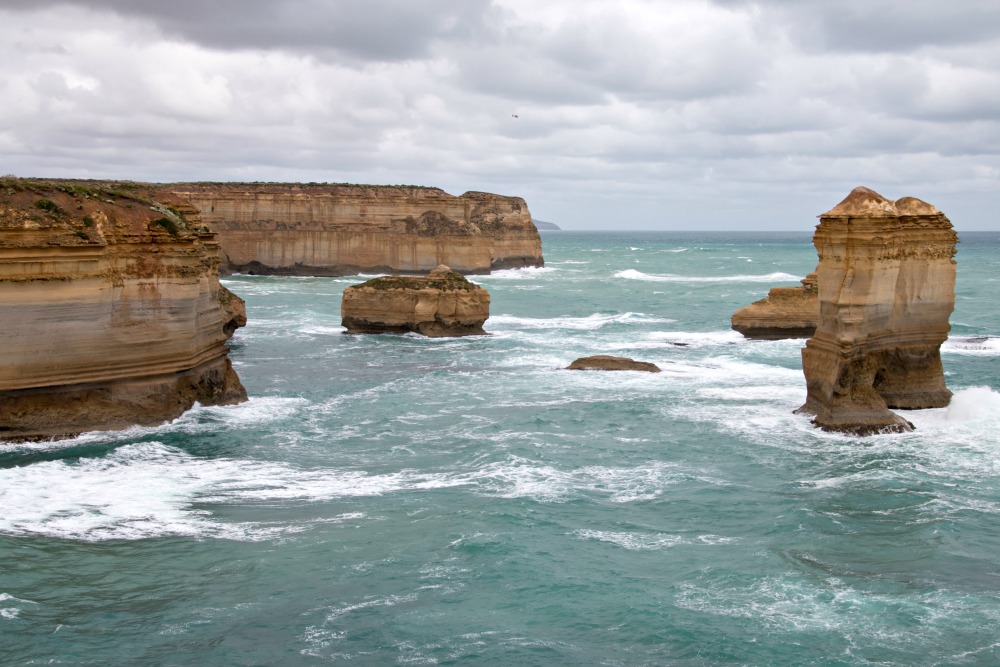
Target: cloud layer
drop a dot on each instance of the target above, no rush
(634, 114)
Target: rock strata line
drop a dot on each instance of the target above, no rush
(112, 309)
(339, 229)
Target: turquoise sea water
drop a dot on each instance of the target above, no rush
(401, 500)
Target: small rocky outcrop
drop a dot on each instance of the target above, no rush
(112, 310)
(786, 312)
(442, 303)
(886, 288)
(603, 362)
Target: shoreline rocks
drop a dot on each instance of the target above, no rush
(604, 362)
(886, 279)
(442, 303)
(112, 309)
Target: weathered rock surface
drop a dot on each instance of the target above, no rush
(443, 303)
(886, 280)
(112, 310)
(287, 229)
(786, 312)
(603, 362)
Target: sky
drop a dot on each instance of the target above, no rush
(602, 114)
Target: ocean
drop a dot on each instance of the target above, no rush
(398, 500)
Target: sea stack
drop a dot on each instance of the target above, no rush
(442, 303)
(112, 311)
(886, 280)
(786, 312)
(341, 229)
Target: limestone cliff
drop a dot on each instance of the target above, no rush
(287, 229)
(443, 303)
(886, 280)
(786, 312)
(112, 310)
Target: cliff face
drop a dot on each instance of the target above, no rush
(289, 229)
(112, 310)
(786, 312)
(886, 279)
(443, 303)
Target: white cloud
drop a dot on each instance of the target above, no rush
(634, 113)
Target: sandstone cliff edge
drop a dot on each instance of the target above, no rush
(321, 229)
(112, 309)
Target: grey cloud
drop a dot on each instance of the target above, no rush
(384, 30)
(878, 25)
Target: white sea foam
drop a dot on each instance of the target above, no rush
(649, 541)
(320, 330)
(368, 603)
(527, 273)
(589, 322)
(520, 478)
(12, 612)
(148, 489)
(984, 346)
(632, 274)
(974, 404)
(257, 411)
(699, 338)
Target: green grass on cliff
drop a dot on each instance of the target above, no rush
(451, 282)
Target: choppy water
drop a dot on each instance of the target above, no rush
(401, 500)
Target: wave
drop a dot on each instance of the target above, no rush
(588, 322)
(699, 338)
(649, 542)
(527, 273)
(986, 346)
(633, 274)
(150, 489)
(974, 404)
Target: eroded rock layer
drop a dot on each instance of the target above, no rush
(112, 310)
(886, 279)
(287, 229)
(786, 312)
(443, 303)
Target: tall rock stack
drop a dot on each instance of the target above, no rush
(886, 280)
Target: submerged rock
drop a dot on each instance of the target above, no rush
(442, 303)
(886, 279)
(603, 362)
(786, 312)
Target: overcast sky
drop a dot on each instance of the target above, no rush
(603, 114)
